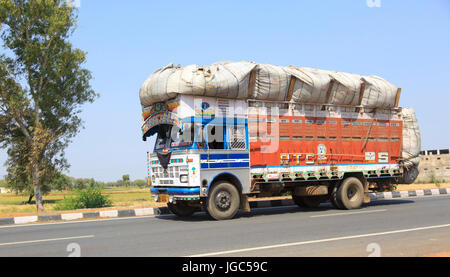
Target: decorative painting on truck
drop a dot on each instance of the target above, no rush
(161, 107)
(160, 113)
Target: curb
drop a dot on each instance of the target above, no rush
(164, 210)
(408, 194)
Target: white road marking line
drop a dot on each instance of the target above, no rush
(45, 240)
(349, 213)
(318, 241)
(72, 222)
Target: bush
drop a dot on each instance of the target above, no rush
(85, 199)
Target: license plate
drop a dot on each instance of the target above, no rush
(163, 198)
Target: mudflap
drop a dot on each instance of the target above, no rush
(366, 193)
(245, 205)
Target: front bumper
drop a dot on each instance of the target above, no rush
(191, 193)
(182, 170)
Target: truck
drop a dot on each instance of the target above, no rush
(320, 136)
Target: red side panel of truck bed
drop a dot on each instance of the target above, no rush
(300, 140)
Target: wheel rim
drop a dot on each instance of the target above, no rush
(223, 200)
(352, 193)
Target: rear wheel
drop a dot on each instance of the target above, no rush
(181, 209)
(333, 198)
(350, 193)
(297, 200)
(223, 201)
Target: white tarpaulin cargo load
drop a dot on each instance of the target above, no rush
(249, 80)
(411, 146)
(224, 80)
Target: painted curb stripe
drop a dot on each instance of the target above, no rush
(108, 213)
(25, 219)
(50, 217)
(91, 214)
(125, 213)
(404, 194)
(144, 211)
(7, 221)
(435, 192)
(71, 216)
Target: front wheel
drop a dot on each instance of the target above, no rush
(181, 209)
(350, 193)
(223, 201)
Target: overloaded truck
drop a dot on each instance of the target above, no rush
(234, 130)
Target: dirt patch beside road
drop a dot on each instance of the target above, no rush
(422, 186)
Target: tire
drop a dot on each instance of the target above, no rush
(307, 201)
(298, 200)
(181, 209)
(350, 193)
(333, 198)
(223, 201)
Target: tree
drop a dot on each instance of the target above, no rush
(139, 183)
(61, 182)
(80, 183)
(42, 86)
(126, 180)
(18, 174)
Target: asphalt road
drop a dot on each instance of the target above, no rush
(403, 227)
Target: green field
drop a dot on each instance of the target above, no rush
(12, 204)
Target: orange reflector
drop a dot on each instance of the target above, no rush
(189, 160)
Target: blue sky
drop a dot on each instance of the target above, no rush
(406, 42)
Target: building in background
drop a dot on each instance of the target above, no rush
(434, 166)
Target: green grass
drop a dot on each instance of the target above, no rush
(120, 197)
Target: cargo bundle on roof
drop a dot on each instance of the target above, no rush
(249, 80)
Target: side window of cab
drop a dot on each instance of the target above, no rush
(236, 137)
(216, 136)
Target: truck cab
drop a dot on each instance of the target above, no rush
(201, 154)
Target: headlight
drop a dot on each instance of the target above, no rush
(183, 178)
(153, 178)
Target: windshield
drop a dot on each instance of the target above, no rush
(171, 136)
(163, 136)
